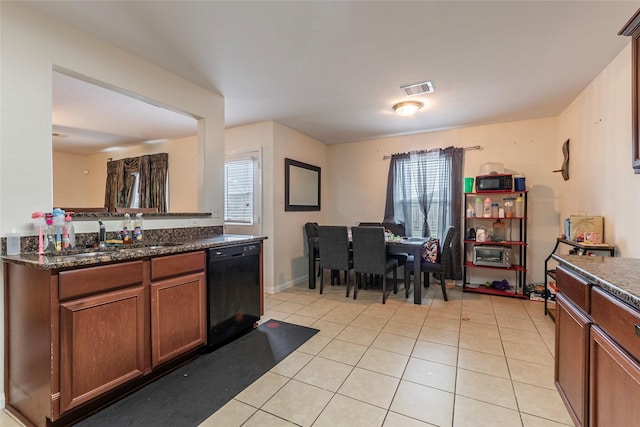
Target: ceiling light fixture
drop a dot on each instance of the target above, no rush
(407, 108)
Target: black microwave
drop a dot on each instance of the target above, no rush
(496, 182)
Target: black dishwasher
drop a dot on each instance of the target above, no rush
(233, 292)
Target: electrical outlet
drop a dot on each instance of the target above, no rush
(194, 221)
(215, 212)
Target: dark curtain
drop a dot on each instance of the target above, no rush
(416, 176)
(152, 182)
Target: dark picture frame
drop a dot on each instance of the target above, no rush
(301, 186)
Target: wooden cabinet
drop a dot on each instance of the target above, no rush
(175, 331)
(597, 365)
(572, 358)
(615, 383)
(77, 339)
(102, 344)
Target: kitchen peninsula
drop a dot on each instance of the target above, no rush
(85, 327)
(597, 364)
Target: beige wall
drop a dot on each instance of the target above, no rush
(285, 248)
(357, 174)
(602, 182)
(71, 187)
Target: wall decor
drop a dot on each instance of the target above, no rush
(301, 186)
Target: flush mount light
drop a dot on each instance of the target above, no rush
(407, 108)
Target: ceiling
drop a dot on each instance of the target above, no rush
(333, 69)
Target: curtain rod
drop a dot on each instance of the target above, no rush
(472, 148)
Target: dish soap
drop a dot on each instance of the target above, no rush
(137, 228)
(126, 226)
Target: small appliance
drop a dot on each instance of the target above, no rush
(492, 256)
(493, 183)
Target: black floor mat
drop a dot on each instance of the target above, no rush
(191, 393)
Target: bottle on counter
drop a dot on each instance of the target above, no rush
(50, 240)
(126, 227)
(13, 242)
(71, 232)
(137, 228)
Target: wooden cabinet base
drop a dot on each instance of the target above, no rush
(615, 383)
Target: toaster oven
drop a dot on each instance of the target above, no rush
(492, 256)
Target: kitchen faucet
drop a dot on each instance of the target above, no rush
(102, 234)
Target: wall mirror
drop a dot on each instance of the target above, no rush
(301, 186)
(93, 122)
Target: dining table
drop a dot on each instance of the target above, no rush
(409, 245)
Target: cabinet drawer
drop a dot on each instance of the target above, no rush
(574, 287)
(617, 319)
(173, 265)
(87, 281)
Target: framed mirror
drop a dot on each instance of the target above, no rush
(301, 186)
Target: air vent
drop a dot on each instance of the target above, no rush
(417, 88)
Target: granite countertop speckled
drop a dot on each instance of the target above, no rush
(618, 276)
(86, 257)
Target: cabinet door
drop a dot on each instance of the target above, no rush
(615, 383)
(101, 344)
(572, 358)
(178, 316)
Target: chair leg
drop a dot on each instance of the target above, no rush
(359, 278)
(384, 288)
(348, 286)
(444, 288)
(321, 281)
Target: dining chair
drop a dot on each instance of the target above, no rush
(335, 254)
(398, 230)
(437, 268)
(370, 257)
(311, 230)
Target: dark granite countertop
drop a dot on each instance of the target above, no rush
(87, 257)
(618, 276)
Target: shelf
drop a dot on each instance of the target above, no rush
(469, 264)
(552, 274)
(481, 289)
(495, 192)
(503, 243)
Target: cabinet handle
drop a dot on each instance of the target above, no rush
(637, 329)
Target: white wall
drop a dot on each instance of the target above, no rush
(602, 182)
(357, 174)
(31, 44)
(71, 187)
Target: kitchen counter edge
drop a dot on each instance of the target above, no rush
(618, 276)
(60, 261)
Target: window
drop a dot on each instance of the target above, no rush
(420, 185)
(241, 177)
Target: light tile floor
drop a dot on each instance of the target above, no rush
(475, 360)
